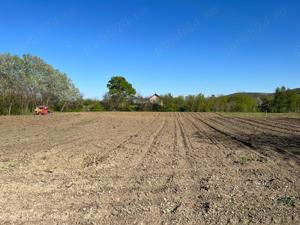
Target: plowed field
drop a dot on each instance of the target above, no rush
(149, 168)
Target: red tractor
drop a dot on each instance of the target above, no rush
(41, 110)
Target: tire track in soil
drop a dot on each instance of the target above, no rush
(137, 157)
(154, 139)
(123, 143)
(250, 128)
(257, 150)
(172, 198)
(117, 204)
(288, 127)
(87, 139)
(104, 156)
(165, 192)
(205, 200)
(230, 142)
(181, 202)
(289, 138)
(211, 160)
(201, 131)
(260, 125)
(282, 123)
(234, 138)
(62, 146)
(226, 146)
(92, 160)
(196, 200)
(210, 198)
(245, 140)
(179, 190)
(286, 121)
(173, 179)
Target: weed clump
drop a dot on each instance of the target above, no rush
(287, 200)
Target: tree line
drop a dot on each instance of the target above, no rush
(121, 96)
(199, 103)
(28, 81)
(282, 101)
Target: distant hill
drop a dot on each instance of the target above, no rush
(297, 89)
(261, 94)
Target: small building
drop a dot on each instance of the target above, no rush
(155, 99)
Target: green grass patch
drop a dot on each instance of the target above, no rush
(287, 200)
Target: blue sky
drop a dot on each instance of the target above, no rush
(183, 47)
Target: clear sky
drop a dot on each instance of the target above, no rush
(183, 47)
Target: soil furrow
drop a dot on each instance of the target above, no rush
(147, 168)
(249, 141)
(259, 124)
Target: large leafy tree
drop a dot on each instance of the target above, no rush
(119, 93)
(28, 81)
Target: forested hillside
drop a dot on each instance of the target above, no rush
(283, 100)
(262, 94)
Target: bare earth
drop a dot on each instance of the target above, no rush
(149, 168)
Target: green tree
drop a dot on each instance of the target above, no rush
(119, 93)
(266, 104)
(169, 103)
(92, 105)
(242, 103)
(210, 104)
(180, 103)
(279, 102)
(190, 103)
(28, 81)
(285, 100)
(199, 103)
(292, 101)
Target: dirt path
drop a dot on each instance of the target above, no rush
(148, 168)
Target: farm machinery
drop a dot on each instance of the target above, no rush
(41, 110)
